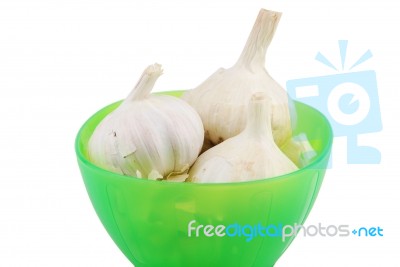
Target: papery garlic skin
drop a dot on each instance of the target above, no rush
(250, 155)
(222, 99)
(148, 136)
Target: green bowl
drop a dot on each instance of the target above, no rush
(150, 221)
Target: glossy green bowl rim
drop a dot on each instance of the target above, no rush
(324, 153)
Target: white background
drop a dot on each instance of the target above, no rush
(60, 61)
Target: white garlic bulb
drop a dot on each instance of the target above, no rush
(148, 136)
(250, 155)
(222, 99)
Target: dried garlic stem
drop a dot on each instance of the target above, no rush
(259, 39)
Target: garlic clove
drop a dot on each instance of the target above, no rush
(178, 178)
(138, 174)
(155, 175)
(299, 150)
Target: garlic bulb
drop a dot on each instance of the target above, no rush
(250, 155)
(222, 99)
(148, 136)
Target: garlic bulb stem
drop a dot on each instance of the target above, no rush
(145, 84)
(259, 117)
(260, 37)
